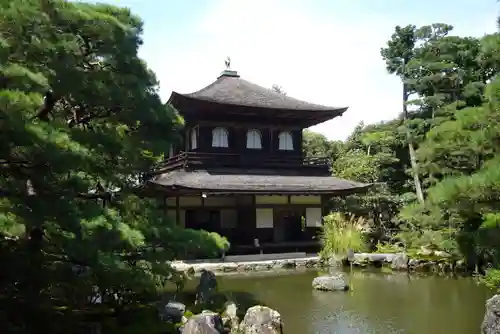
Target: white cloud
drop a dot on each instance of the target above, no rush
(333, 61)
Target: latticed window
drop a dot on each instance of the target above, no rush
(285, 141)
(220, 137)
(254, 139)
(194, 138)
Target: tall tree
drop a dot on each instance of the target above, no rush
(461, 212)
(398, 53)
(80, 124)
(459, 152)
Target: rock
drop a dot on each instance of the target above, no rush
(442, 254)
(312, 263)
(491, 321)
(231, 310)
(206, 287)
(360, 260)
(230, 267)
(230, 318)
(172, 312)
(330, 283)
(399, 262)
(288, 265)
(205, 323)
(261, 320)
(424, 251)
(413, 263)
(423, 266)
(460, 266)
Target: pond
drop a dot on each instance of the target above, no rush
(378, 303)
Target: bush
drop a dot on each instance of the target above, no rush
(221, 241)
(492, 279)
(197, 244)
(341, 233)
(388, 248)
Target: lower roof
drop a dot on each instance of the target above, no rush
(219, 182)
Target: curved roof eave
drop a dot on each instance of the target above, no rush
(177, 97)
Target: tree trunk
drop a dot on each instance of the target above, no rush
(411, 149)
(35, 282)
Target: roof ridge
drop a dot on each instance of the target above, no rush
(284, 96)
(219, 79)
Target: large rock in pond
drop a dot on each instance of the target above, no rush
(206, 287)
(261, 320)
(491, 321)
(330, 283)
(205, 323)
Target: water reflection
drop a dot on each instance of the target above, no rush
(379, 303)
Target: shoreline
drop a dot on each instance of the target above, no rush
(219, 266)
(396, 262)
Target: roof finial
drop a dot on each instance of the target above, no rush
(228, 72)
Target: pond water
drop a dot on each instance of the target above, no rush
(378, 303)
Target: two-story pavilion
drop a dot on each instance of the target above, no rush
(241, 171)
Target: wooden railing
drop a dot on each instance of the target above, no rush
(202, 159)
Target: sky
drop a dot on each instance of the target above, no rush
(320, 51)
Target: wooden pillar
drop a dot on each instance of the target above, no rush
(187, 139)
(177, 211)
(271, 140)
(324, 209)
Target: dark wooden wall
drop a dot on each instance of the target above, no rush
(237, 141)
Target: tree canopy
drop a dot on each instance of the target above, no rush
(81, 124)
(451, 117)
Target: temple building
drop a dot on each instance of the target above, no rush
(240, 170)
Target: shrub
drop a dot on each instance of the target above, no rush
(196, 244)
(341, 233)
(221, 241)
(491, 279)
(388, 248)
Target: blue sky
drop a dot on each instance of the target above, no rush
(322, 51)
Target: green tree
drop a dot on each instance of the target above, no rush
(462, 208)
(317, 145)
(399, 52)
(375, 154)
(80, 124)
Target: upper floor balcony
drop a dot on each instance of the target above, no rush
(204, 160)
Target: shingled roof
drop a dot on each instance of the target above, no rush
(229, 88)
(204, 180)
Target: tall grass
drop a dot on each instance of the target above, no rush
(341, 233)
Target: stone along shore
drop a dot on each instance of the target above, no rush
(397, 262)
